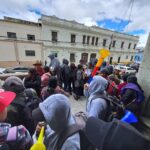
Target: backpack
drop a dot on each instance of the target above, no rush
(23, 110)
(115, 108)
(78, 127)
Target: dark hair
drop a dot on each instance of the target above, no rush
(52, 85)
(65, 61)
(110, 69)
(133, 79)
(104, 64)
(80, 66)
(105, 71)
(46, 69)
(125, 77)
(33, 71)
(72, 66)
(52, 82)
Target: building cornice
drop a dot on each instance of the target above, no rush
(57, 22)
(20, 21)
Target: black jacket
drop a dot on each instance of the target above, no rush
(34, 83)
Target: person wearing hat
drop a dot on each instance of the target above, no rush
(38, 67)
(56, 112)
(104, 73)
(16, 115)
(114, 135)
(11, 138)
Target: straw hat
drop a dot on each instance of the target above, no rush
(38, 63)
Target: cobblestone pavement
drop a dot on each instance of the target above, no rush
(78, 105)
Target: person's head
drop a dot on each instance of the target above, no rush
(72, 66)
(104, 64)
(5, 99)
(52, 82)
(104, 72)
(110, 69)
(14, 84)
(132, 79)
(65, 61)
(81, 61)
(125, 77)
(55, 110)
(80, 67)
(51, 56)
(32, 72)
(97, 86)
(116, 71)
(46, 69)
(37, 64)
(90, 65)
(112, 77)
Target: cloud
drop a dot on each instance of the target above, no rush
(143, 40)
(88, 12)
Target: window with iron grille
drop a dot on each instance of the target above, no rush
(84, 37)
(114, 44)
(122, 44)
(129, 46)
(11, 35)
(96, 42)
(104, 42)
(73, 38)
(31, 37)
(72, 57)
(29, 52)
(88, 40)
(54, 36)
(93, 39)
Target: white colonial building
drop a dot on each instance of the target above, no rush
(74, 41)
(24, 42)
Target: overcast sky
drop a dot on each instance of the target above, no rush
(110, 14)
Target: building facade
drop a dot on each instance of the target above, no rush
(74, 41)
(20, 42)
(23, 42)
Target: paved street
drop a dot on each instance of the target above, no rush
(77, 105)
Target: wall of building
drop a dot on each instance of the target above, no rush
(43, 45)
(12, 51)
(64, 47)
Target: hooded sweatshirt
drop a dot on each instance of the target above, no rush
(55, 64)
(57, 113)
(96, 107)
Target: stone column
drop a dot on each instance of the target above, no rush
(144, 81)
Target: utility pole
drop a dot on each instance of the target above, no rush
(144, 80)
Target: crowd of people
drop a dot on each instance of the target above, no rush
(42, 100)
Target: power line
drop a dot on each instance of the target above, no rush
(130, 13)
